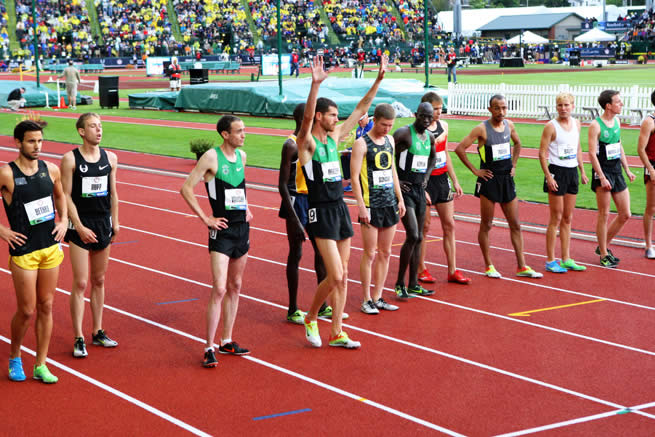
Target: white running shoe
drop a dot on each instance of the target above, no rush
(368, 307)
(381, 304)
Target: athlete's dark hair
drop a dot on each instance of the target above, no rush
(323, 105)
(298, 114)
(431, 97)
(26, 126)
(606, 96)
(652, 98)
(225, 123)
(496, 97)
(384, 111)
(81, 122)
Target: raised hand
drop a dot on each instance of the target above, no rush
(384, 62)
(318, 73)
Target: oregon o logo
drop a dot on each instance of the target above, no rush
(379, 161)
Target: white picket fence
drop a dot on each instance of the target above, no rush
(529, 101)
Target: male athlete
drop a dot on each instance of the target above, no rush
(380, 204)
(607, 157)
(223, 171)
(495, 182)
(560, 155)
(646, 149)
(31, 190)
(415, 159)
(88, 175)
(328, 218)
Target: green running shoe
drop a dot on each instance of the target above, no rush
(342, 340)
(327, 313)
(569, 264)
(401, 292)
(42, 373)
(419, 291)
(311, 332)
(298, 317)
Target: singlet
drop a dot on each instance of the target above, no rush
(376, 176)
(32, 211)
(440, 163)
(563, 152)
(91, 192)
(413, 162)
(650, 146)
(609, 146)
(496, 153)
(323, 174)
(227, 191)
(296, 182)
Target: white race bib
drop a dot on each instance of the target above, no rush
(501, 151)
(613, 151)
(94, 186)
(39, 211)
(331, 171)
(235, 199)
(567, 151)
(441, 159)
(419, 164)
(382, 179)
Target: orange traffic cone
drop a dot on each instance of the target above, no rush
(62, 103)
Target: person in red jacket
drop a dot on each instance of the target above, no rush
(175, 72)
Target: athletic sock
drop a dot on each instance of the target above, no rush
(226, 341)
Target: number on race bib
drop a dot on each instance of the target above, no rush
(331, 171)
(39, 211)
(566, 151)
(613, 151)
(419, 164)
(235, 199)
(311, 215)
(94, 186)
(441, 160)
(382, 179)
(501, 151)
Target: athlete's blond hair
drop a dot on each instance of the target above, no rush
(565, 96)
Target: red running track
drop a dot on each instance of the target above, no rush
(455, 362)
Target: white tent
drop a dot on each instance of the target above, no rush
(527, 38)
(595, 35)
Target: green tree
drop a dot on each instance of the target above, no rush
(557, 3)
(505, 3)
(478, 4)
(441, 5)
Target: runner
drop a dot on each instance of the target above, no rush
(559, 154)
(31, 190)
(607, 157)
(329, 219)
(380, 204)
(415, 159)
(646, 149)
(223, 171)
(440, 193)
(88, 176)
(495, 182)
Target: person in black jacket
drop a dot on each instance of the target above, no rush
(15, 100)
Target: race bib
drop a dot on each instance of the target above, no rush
(441, 159)
(235, 199)
(94, 186)
(419, 164)
(501, 151)
(382, 179)
(567, 151)
(331, 171)
(613, 151)
(39, 211)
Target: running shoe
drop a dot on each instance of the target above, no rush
(342, 340)
(311, 332)
(348, 188)
(608, 261)
(79, 348)
(569, 264)
(16, 372)
(554, 267)
(650, 253)
(296, 317)
(401, 292)
(426, 277)
(233, 349)
(458, 278)
(491, 272)
(417, 290)
(327, 313)
(101, 339)
(381, 304)
(210, 359)
(43, 374)
(368, 307)
(527, 272)
(609, 252)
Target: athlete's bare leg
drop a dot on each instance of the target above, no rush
(511, 211)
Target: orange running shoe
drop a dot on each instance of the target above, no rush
(426, 277)
(458, 278)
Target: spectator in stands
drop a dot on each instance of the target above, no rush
(451, 62)
(295, 63)
(15, 100)
(72, 78)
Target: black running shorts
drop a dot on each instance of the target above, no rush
(566, 178)
(415, 199)
(499, 189)
(300, 206)
(101, 226)
(234, 241)
(646, 174)
(439, 189)
(615, 179)
(384, 217)
(330, 221)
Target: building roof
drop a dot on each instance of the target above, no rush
(525, 22)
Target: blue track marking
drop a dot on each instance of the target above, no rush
(304, 410)
(177, 301)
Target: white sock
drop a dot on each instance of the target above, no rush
(207, 349)
(226, 341)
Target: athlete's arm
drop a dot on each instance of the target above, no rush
(289, 149)
(14, 239)
(115, 226)
(592, 138)
(304, 140)
(67, 169)
(249, 215)
(477, 134)
(206, 166)
(516, 152)
(547, 137)
(449, 162)
(396, 182)
(358, 153)
(431, 160)
(60, 202)
(626, 167)
(402, 138)
(645, 130)
(583, 176)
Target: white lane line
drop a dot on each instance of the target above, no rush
(115, 392)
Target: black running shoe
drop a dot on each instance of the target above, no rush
(79, 348)
(233, 349)
(608, 261)
(609, 252)
(101, 339)
(210, 359)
